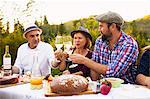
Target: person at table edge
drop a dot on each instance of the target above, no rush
(143, 76)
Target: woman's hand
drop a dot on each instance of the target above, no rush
(77, 58)
(60, 55)
(66, 72)
(60, 58)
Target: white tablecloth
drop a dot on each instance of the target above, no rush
(24, 92)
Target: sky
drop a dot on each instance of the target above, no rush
(59, 11)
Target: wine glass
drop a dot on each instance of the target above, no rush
(69, 49)
(68, 44)
(59, 42)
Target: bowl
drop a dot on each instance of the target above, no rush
(116, 82)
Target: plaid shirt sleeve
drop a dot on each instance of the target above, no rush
(95, 53)
(126, 57)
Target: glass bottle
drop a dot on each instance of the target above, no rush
(7, 62)
(36, 76)
(35, 68)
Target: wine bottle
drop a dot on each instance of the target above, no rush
(7, 61)
(7, 58)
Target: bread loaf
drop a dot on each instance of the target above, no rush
(69, 84)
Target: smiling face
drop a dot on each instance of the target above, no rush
(79, 40)
(33, 38)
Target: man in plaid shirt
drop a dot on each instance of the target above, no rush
(115, 53)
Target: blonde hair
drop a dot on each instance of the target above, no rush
(88, 43)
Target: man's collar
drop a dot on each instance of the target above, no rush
(38, 46)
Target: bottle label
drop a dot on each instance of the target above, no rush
(7, 63)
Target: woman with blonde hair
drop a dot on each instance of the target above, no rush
(82, 41)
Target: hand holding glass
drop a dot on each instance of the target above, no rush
(69, 49)
(68, 44)
(59, 42)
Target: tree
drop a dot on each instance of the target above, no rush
(1, 36)
(15, 39)
(47, 33)
(45, 20)
(7, 28)
(75, 24)
(62, 29)
(1, 26)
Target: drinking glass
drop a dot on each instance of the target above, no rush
(67, 41)
(68, 48)
(59, 42)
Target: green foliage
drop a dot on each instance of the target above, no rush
(56, 72)
(61, 29)
(139, 29)
(45, 20)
